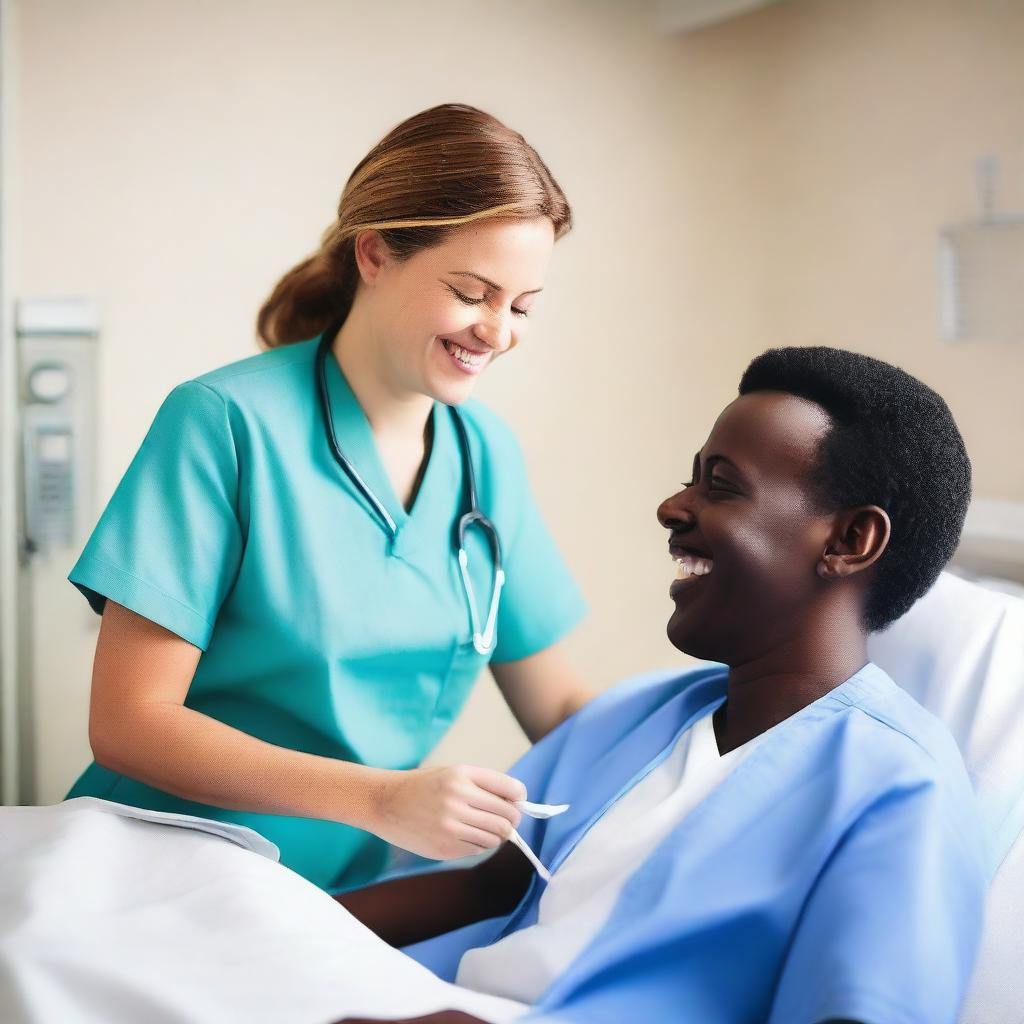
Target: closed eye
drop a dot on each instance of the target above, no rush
(717, 483)
(470, 301)
(467, 299)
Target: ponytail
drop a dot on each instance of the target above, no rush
(309, 298)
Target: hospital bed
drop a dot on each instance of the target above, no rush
(111, 914)
(960, 652)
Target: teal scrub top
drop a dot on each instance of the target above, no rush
(235, 528)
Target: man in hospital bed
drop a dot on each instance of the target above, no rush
(781, 835)
(785, 836)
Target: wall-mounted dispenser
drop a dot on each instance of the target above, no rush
(981, 270)
(57, 342)
(57, 369)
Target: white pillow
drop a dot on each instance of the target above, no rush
(996, 993)
(959, 651)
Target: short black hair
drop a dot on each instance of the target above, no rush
(893, 443)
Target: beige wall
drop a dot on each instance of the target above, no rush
(778, 178)
(822, 144)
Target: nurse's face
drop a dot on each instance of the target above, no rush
(749, 516)
(441, 317)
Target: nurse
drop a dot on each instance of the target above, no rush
(296, 595)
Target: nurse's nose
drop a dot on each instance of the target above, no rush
(496, 332)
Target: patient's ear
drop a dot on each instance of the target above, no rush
(857, 541)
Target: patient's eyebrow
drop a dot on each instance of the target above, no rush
(716, 457)
(490, 284)
(724, 458)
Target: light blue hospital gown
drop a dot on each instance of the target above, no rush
(839, 871)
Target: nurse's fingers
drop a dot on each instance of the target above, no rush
(476, 838)
(484, 801)
(497, 783)
(493, 824)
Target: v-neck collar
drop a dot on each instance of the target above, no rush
(700, 702)
(661, 731)
(356, 439)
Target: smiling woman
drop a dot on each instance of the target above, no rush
(419, 319)
(289, 626)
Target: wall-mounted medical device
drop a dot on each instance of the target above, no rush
(57, 399)
(981, 270)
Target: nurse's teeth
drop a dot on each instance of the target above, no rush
(464, 355)
(691, 565)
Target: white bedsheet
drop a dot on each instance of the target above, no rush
(111, 915)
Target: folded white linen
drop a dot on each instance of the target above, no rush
(109, 915)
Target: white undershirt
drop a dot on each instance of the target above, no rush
(582, 892)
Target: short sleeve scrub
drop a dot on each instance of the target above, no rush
(235, 528)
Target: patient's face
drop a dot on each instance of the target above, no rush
(748, 512)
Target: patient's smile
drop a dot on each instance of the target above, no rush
(689, 569)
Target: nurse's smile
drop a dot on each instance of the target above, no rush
(466, 360)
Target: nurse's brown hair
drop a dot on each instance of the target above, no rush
(441, 168)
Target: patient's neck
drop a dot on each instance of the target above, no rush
(769, 687)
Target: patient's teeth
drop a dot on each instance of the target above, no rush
(692, 565)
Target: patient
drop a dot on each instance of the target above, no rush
(783, 836)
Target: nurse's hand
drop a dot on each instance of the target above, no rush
(445, 813)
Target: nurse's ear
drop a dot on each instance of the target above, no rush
(372, 256)
(857, 541)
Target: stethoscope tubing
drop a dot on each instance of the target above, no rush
(332, 438)
(483, 639)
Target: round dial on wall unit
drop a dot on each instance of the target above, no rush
(49, 382)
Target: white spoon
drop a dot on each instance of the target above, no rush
(541, 811)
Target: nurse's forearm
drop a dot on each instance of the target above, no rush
(195, 757)
(542, 690)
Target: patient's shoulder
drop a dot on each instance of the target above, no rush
(892, 718)
(887, 741)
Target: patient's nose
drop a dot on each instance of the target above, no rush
(673, 513)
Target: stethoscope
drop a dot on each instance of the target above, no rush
(484, 641)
